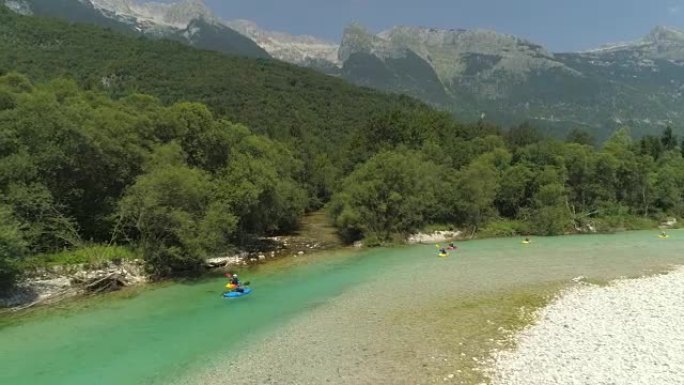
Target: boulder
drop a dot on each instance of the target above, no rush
(669, 222)
(236, 259)
(435, 237)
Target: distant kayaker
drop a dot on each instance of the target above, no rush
(452, 246)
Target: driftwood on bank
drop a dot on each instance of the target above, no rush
(110, 282)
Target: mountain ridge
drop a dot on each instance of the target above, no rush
(188, 21)
(471, 73)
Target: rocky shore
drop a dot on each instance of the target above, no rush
(434, 237)
(628, 333)
(51, 284)
(48, 285)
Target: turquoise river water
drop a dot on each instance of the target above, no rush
(169, 331)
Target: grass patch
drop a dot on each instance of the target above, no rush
(613, 223)
(504, 228)
(459, 334)
(89, 255)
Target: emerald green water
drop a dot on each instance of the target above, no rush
(164, 333)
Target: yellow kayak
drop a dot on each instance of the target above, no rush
(663, 236)
(443, 255)
(526, 242)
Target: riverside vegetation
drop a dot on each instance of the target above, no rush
(180, 155)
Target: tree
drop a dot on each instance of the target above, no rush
(523, 135)
(476, 189)
(513, 190)
(669, 184)
(550, 214)
(12, 247)
(668, 139)
(394, 192)
(580, 136)
(259, 183)
(578, 163)
(651, 145)
(167, 210)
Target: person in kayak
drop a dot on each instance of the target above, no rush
(442, 251)
(235, 281)
(452, 246)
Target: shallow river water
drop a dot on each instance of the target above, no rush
(345, 317)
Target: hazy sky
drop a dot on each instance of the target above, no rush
(560, 25)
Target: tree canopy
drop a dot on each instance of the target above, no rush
(187, 154)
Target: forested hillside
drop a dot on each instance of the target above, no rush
(185, 154)
(270, 96)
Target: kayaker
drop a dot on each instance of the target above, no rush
(442, 251)
(452, 246)
(235, 283)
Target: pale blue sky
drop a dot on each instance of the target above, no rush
(559, 25)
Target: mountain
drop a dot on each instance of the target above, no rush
(508, 79)
(187, 21)
(282, 100)
(665, 43)
(470, 73)
(306, 51)
(512, 80)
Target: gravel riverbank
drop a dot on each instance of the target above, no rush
(630, 332)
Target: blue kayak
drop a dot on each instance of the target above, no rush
(236, 294)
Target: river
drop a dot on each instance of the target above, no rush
(387, 315)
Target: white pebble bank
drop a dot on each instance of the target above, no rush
(629, 333)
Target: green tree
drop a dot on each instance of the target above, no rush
(513, 193)
(669, 184)
(651, 145)
(580, 136)
(12, 247)
(392, 193)
(166, 209)
(523, 135)
(476, 189)
(550, 214)
(669, 139)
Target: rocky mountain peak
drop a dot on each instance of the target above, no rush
(661, 43)
(356, 38)
(663, 34)
(298, 49)
(461, 40)
(19, 6)
(451, 52)
(186, 10)
(176, 14)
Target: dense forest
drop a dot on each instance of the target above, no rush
(186, 154)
